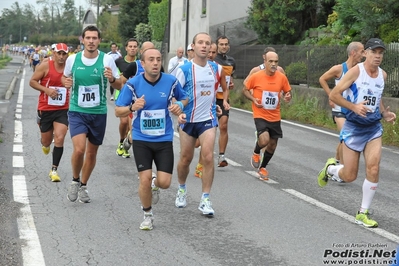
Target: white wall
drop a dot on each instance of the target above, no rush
(220, 14)
(226, 10)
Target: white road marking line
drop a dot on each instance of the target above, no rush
(310, 128)
(233, 163)
(18, 161)
(255, 174)
(31, 249)
(350, 218)
(18, 132)
(17, 148)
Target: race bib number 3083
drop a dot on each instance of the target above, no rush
(152, 122)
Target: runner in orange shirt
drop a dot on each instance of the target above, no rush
(266, 86)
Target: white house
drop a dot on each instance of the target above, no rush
(90, 17)
(217, 17)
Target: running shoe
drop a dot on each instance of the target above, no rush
(337, 179)
(263, 173)
(222, 161)
(46, 150)
(125, 154)
(147, 224)
(112, 98)
(181, 201)
(323, 175)
(83, 195)
(205, 207)
(198, 170)
(73, 191)
(363, 218)
(119, 150)
(126, 142)
(255, 160)
(155, 191)
(54, 176)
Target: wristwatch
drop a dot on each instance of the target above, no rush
(130, 107)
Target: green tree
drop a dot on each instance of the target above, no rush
(158, 18)
(54, 7)
(109, 27)
(70, 25)
(132, 13)
(143, 32)
(15, 23)
(361, 19)
(282, 21)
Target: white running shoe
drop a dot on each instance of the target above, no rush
(337, 179)
(147, 224)
(205, 207)
(181, 201)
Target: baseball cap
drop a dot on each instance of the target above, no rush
(61, 47)
(374, 43)
(189, 48)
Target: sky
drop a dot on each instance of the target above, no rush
(8, 3)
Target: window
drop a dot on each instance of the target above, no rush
(203, 10)
(184, 15)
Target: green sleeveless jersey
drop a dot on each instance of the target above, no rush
(89, 87)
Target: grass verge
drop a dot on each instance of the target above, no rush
(4, 59)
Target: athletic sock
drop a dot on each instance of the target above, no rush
(205, 195)
(266, 159)
(257, 148)
(57, 154)
(369, 189)
(334, 170)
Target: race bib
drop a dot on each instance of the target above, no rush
(61, 97)
(370, 97)
(227, 84)
(270, 100)
(152, 122)
(89, 96)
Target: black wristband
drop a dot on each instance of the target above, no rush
(113, 80)
(130, 107)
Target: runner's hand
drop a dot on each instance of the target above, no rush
(181, 119)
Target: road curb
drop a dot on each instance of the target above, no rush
(11, 88)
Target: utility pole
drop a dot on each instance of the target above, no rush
(20, 30)
(52, 20)
(98, 12)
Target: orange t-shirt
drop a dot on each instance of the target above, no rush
(268, 89)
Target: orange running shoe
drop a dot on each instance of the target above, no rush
(255, 160)
(263, 173)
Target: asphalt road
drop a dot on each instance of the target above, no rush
(286, 221)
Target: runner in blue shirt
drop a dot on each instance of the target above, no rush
(149, 97)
